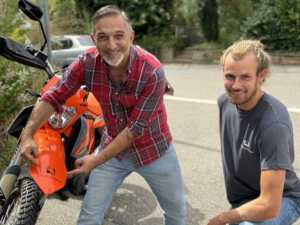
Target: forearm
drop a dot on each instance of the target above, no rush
(40, 113)
(119, 144)
(228, 217)
(255, 210)
(258, 210)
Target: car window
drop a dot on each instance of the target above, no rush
(61, 44)
(85, 41)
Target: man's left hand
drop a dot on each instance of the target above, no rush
(217, 220)
(83, 165)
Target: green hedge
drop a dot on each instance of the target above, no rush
(276, 23)
(14, 78)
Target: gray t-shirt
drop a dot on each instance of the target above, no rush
(259, 139)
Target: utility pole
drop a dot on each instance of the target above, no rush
(44, 6)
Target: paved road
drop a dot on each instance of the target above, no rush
(194, 124)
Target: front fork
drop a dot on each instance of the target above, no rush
(9, 178)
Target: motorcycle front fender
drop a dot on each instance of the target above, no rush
(50, 172)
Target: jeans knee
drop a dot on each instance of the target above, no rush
(175, 207)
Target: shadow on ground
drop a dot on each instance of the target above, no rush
(135, 205)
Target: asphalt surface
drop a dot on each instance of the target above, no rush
(193, 118)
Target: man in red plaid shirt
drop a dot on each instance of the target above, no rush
(129, 83)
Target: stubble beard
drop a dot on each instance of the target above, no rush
(116, 61)
(245, 98)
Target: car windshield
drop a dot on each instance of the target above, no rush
(61, 44)
(85, 41)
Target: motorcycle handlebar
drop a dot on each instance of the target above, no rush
(21, 54)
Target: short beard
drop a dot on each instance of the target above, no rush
(113, 63)
(119, 61)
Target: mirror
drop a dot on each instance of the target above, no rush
(32, 11)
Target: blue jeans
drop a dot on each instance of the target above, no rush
(289, 213)
(163, 176)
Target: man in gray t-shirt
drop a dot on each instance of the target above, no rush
(256, 143)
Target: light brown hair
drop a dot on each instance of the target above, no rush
(241, 48)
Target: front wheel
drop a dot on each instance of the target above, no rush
(24, 204)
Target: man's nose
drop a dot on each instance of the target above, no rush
(112, 44)
(236, 84)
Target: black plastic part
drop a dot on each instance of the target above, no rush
(17, 52)
(32, 11)
(16, 126)
(15, 170)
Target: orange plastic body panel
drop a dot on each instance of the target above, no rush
(50, 173)
(50, 83)
(99, 122)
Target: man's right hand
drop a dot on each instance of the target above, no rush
(28, 149)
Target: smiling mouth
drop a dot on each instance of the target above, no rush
(113, 54)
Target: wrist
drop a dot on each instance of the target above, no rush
(232, 216)
(26, 135)
(98, 159)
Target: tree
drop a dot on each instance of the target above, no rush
(14, 78)
(71, 21)
(276, 23)
(148, 17)
(209, 19)
(232, 15)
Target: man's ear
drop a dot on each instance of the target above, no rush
(263, 75)
(93, 38)
(132, 37)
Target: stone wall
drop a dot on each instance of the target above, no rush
(196, 55)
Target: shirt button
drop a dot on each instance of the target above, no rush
(116, 93)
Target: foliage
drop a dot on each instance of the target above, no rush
(276, 23)
(187, 23)
(69, 21)
(14, 78)
(147, 17)
(208, 13)
(154, 44)
(232, 13)
(186, 12)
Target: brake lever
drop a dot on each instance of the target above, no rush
(32, 93)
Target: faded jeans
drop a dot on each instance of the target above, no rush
(289, 213)
(163, 176)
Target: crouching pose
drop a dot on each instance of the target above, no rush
(256, 143)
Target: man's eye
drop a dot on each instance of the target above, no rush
(102, 38)
(229, 77)
(119, 36)
(245, 77)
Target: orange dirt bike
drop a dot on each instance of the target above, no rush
(61, 140)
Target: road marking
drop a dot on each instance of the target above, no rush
(211, 102)
(193, 100)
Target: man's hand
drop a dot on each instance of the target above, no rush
(224, 218)
(217, 220)
(169, 89)
(28, 149)
(83, 165)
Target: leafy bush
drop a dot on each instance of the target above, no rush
(71, 21)
(14, 78)
(232, 14)
(147, 17)
(276, 23)
(208, 13)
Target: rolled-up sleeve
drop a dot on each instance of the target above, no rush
(148, 103)
(68, 85)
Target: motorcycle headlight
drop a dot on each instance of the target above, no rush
(60, 120)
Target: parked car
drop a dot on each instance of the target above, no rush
(66, 48)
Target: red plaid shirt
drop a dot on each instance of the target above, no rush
(136, 104)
